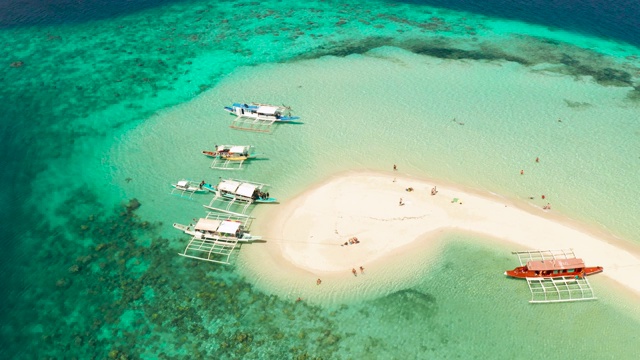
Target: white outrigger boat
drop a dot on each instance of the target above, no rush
(230, 157)
(243, 193)
(214, 237)
(259, 117)
(186, 188)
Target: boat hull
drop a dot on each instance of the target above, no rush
(214, 155)
(267, 201)
(521, 272)
(189, 230)
(249, 112)
(193, 189)
(213, 189)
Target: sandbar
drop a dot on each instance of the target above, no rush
(306, 235)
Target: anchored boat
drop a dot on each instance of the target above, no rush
(553, 268)
(230, 157)
(554, 275)
(186, 188)
(241, 193)
(259, 117)
(214, 237)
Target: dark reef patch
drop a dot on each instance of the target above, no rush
(459, 54)
(124, 293)
(345, 49)
(408, 303)
(577, 104)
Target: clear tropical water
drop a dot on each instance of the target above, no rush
(103, 103)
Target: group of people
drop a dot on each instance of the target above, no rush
(260, 195)
(355, 273)
(352, 241)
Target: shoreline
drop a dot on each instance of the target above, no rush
(304, 235)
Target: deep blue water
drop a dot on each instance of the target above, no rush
(57, 12)
(609, 19)
(33, 131)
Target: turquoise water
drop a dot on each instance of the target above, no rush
(98, 112)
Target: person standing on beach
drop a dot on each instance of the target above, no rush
(354, 272)
(361, 270)
(395, 168)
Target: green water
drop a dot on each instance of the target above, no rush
(107, 111)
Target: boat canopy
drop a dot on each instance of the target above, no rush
(228, 185)
(268, 110)
(238, 188)
(183, 183)
(229, 227)
(246, 190)
(555, 264)
(237, 149)
(207, 225)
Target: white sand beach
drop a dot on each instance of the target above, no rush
(306, 236)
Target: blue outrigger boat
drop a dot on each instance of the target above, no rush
(259, 117)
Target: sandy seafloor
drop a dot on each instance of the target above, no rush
(450, 97)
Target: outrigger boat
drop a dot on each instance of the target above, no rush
(259, 117)
(230, 157)
(214, 237)
(186, 188)
(554, 275)
(241, 192)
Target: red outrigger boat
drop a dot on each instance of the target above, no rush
(554, 275)
(551, 268)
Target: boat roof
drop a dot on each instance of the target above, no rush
(183, 183)
(556, 264)
(268, 110)
(237, 149)
(236, 187)
(246, 189)
(207, 224)
(229, 227)
(229, 185)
